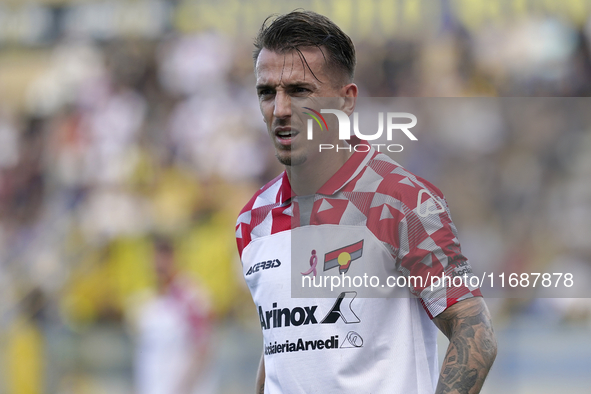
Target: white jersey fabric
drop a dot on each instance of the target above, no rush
(171, 328)
(347, 343)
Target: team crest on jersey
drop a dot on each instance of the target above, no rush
(343, 257)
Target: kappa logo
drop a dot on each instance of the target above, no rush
(343, 257)
(429, 206)
(285, 317)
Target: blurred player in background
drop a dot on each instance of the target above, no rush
(382, 345)
(173, 354)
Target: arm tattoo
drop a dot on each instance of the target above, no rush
(262, 389)
(472, 348)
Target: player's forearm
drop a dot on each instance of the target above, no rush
(260, 381)
(471, 352)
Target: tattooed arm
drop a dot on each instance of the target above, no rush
(472, 347)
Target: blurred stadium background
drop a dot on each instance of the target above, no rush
(122, 120)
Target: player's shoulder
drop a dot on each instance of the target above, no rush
(270, 196)
(267, 195)
(400, 183)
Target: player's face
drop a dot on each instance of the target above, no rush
(281, 77)
(164, 265)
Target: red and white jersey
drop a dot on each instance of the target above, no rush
(386, 219)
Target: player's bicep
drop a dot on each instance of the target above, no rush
(466, 314)
(472, 346)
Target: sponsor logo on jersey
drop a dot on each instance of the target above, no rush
(429, 206)
(301, 345)
(298, 316)
(263, 265)
(459, 269)
(343, 257)
(352, 340)
(340, 311)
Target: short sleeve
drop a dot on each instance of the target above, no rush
(429, 252)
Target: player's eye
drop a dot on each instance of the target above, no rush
(300, 90)
(265, 93)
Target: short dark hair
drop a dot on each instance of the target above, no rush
(300, 29)
(162, 244)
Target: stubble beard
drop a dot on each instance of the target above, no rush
(284, 154)
(290, 160)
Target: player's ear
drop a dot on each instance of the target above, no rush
(350, 95)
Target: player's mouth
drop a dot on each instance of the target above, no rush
(285, 135)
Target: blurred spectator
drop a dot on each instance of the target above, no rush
(26, 353)
(174, 346)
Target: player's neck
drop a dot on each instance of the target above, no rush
(309, 177)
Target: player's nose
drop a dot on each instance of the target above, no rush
(282, 108)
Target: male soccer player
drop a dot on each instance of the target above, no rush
(350, 344)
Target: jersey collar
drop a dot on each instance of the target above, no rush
(352, 167)
(347, 172)
(285, 193)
